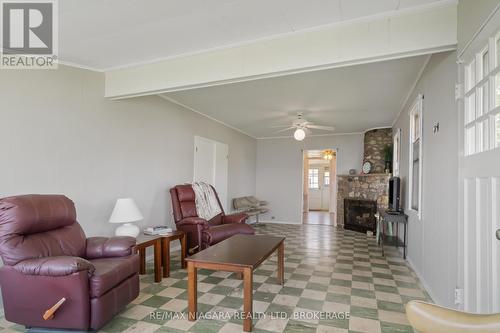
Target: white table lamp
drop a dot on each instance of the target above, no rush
(126, 212)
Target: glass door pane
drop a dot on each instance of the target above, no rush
(470, 140)
(471, 77)
(486, 64)
(497, 130)
(497, 90)
(484, 102)
(470, 108)
(498, 51)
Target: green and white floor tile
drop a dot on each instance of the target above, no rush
(327, 270)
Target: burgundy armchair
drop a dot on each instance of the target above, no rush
(202, 233)
(47, 257)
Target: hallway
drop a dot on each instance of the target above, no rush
(318, 217)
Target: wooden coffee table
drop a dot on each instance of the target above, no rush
(239, 254)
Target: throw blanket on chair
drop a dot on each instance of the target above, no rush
(207, 205)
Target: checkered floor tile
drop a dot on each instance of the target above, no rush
(335, 281)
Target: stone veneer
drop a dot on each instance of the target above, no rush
(371, 186)
(375, 142)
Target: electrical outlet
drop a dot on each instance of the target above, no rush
(459, 295)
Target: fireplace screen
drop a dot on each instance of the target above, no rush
(359, 214)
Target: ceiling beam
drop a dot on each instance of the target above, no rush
(409, 33)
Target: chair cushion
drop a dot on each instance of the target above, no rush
(186, 197)
(110, 272)
(218, 233)
(188, 209)
(185, 192)
(216, 220)
(35, 226)
(35, 213)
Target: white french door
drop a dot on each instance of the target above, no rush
(319, 190)
(211, 166)
(480, 170)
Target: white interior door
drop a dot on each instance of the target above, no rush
(325, 189)
(314, 188)
(319, 192)
(480, 171)
(204, 160)
(481, 219)
(221, 173)
(211, 165)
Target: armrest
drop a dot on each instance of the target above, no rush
(194, 221)
(104, 247)
(234, 218)
(426, 317)
(54, 266)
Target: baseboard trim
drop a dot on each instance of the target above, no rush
(278, 222)
(422, 280)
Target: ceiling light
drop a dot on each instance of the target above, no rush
(299, 134)
(328, 154)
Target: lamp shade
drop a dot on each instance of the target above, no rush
(125, 211)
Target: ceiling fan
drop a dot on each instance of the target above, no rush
(302, 127)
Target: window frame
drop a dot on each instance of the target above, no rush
(325, 177)
(396, 153)
(416, 109)
(311, 170)
(481, 133)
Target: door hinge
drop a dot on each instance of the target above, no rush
(459, 91)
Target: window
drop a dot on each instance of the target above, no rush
(497, 130)
(415, 192)
(326, 178)
(396, 153)
(313, 178)
(482, 99)
(497, 46)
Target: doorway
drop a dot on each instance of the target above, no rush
(211, 166)
(319, 187)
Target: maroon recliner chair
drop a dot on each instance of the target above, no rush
(47, 257)
(202, 233)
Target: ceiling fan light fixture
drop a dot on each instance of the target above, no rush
(299, 134)
(328, 154)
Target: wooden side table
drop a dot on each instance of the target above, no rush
(142, 243)
(165, 244)
(161, 245)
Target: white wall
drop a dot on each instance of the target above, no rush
(58, 134)
(471, 14)
(433, 240)
(279, 170)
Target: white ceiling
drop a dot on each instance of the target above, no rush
(352, 99)
(104, 34)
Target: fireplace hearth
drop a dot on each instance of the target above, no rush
(359, 214)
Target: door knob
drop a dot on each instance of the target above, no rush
(498, 234)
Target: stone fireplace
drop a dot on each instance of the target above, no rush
(371, 187)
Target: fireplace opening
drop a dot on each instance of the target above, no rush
(359, 215)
